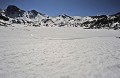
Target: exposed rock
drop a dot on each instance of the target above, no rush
(13, 11)
(4, 18)
(34, 18)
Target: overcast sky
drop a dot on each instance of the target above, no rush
(70, 7)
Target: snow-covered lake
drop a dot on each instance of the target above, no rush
(39, 52)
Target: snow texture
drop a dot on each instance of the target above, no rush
(39, 52)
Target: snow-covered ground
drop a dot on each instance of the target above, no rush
(39, 52)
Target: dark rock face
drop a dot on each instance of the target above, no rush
(35, 13)
(66, 16)
(13, 11)
(3, 23)
(4, 18)
(47, 20)
(104, 21)
(94, 22)
(99, 17)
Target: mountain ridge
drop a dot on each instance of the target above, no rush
(35, 18)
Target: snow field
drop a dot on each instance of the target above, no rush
(29, 52)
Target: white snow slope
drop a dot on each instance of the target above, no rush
(32, 52)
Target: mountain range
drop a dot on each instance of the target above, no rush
(12, 14)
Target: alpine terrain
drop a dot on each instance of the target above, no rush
(35, 45)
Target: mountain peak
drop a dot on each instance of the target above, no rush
(13, 11)
(36, 18)
(12, 8)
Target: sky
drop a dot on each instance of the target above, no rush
(70, 7)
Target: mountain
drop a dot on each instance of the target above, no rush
(104, 21)
(13, 14)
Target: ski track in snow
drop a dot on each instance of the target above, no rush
(29, 52)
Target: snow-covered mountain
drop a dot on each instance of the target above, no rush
(34, 18)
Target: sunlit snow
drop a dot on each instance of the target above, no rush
(39, 52)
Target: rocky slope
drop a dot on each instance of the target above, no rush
(14, 14)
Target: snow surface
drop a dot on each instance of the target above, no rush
(39, 52)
